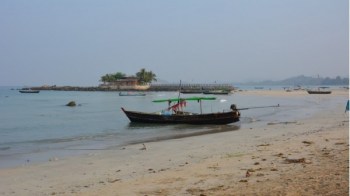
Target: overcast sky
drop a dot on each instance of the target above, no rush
(75, 42)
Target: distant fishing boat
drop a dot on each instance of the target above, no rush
(175, 115)
(131, 94)
(191, 91)
(217, 92)
(319, 91)
(28, 91)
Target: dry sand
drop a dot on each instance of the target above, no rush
(308, 157)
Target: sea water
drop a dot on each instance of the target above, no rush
(39, 127)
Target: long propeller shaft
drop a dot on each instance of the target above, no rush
(272, 106)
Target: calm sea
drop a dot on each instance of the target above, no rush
(38, 127)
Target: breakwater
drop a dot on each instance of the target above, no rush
(92, 88)
(152, 87)
(191, 87)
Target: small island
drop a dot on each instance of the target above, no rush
(141, 81)
(113, 82)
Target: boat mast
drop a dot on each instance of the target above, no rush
(179, 92)
(178, 97)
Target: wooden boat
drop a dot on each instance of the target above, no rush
(192, 91)
(217, 92)
(174, 114)
(28, 91)
(131, 94)
(318, 92)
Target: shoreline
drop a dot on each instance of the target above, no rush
(144, 88)
(309, 157)
(199, 88)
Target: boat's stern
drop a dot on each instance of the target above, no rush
(236, 112)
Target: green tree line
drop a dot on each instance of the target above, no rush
(143, 76)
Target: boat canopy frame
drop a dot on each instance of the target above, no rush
(198, 99)
(184, 99)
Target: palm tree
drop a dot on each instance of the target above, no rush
(106, 78)
(118, 75)
(145, 77)
(151, 77)
(141, 75)
(112, 77)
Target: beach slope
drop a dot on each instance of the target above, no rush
(305, 157)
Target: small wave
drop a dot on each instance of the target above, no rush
(5, 148)
(248, 120)
(55, 140)
(212, 130)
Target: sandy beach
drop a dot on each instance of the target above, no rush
(305, 157)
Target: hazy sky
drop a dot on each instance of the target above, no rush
(75, 42)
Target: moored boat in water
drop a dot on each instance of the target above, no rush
(131, 94)
(191, 91)
(320, 90)
(28, 91)
(217, 92)
(175, 115)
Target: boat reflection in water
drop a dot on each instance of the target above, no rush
(166, 132)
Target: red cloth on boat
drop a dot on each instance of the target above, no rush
(177, 106)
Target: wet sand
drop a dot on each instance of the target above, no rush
(306, 157)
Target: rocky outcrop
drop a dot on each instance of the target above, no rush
(71, 104)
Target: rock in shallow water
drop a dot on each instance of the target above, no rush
(71, 104)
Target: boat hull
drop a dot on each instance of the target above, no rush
(29, 91)
(319, 92)
(216, 92)
(191, 92)
(131, 94)
(211, 118)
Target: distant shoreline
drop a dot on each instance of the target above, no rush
(155, 87)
